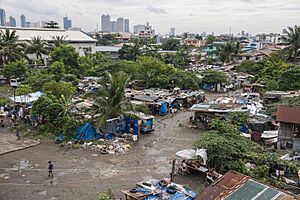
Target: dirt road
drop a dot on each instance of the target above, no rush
(82, 174)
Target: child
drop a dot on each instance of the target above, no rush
(50, 168)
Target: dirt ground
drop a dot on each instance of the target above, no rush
(82, 174)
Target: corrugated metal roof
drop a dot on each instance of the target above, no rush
(288, 114)
(236, 186)
(47, 34)
(253, 190)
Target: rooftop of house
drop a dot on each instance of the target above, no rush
(234, 186)
(47, 34)
(107, 49)
(288, 114)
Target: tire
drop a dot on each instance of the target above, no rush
(163, 183)
(171, 190)
(133, 190)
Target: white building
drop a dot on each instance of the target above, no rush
(82, 42)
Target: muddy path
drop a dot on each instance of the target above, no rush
(82, 174)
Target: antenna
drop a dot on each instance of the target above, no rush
(230, 31)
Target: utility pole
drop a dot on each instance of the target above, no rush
(173, 170)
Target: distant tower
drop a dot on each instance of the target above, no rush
(23, 20)
(105, 23)
(2, 17)
(172, 32)
(67, 23)
(120, 25)
(126, 26)
(12, 21)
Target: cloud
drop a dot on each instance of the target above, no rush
(156, 10)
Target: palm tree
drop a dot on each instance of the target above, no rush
(10, 48)
(37, 46)
(294, 41)
(111, 102)
(227, 50)
(57, 41)
(51, 24)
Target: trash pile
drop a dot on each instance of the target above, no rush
(115, 146)
(162, 189)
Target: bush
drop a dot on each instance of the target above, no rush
(108, 195)
(143, 108)
(4, 101)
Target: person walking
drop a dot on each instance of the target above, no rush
(50, 169)
(18, 134)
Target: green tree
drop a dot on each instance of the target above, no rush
(210, 39)
(110, 102)
(59, 89)
(129, 52)
(17, 69)
(37, 46)
(289, 79)
(170, 44)
(227, 50)
(10, 48)
(67, 55)
(226, 149)
(37, 79)
(214, 77)
(249, 67)
(58, 69)
(23, 90)
(58, 41)
(294, 41)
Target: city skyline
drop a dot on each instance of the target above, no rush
(254, 16)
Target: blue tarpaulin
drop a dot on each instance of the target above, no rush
(163, 110)
(178, 195)
(86, 132)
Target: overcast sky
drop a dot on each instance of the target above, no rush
(254, 16)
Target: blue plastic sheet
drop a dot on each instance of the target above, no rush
(86, 132)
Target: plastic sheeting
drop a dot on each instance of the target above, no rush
(190, 154)
(27, 98)
(163, 108)
(86, 132)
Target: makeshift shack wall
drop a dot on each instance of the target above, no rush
(285, 136)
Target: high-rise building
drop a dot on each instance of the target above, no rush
(2, 17)
(172, 32)
(126, 26)
(23, 20)
(112, 27)
(120, 25)
(67, 23)
(28, 24)
(138, 28)
(105, 23)
(12, 21)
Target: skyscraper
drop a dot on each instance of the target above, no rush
(126, 26)
(172, 32)
(12, 21)
(120, 25)
(67, 23)
(2, 17)
(23, 20)
(105, 23)
(28, 25)
(112, 27)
